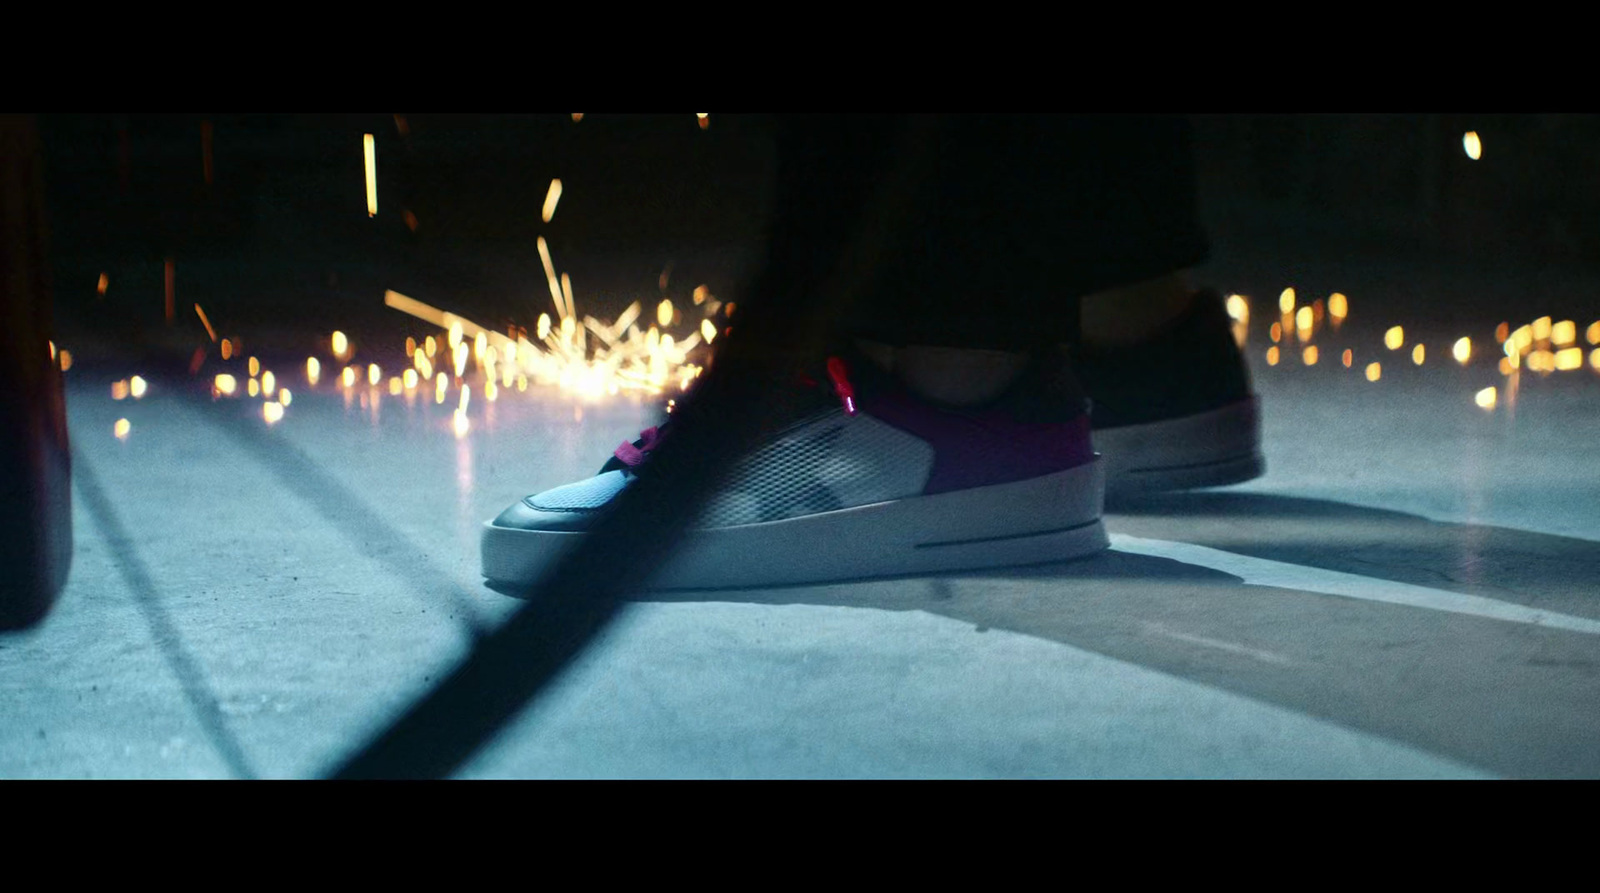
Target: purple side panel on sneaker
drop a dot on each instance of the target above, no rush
(981, 449)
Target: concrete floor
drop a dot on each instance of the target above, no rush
(1412, 591)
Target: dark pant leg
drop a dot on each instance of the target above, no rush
(1015, 218)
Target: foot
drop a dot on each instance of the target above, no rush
(866, 480)
(1174, 410)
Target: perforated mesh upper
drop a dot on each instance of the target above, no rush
(834, 462)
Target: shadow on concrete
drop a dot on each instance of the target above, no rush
(1505, 697)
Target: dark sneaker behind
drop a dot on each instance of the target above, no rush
(1176, 411)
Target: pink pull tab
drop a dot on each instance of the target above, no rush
(837, 373)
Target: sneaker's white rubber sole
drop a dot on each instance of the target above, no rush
(1209, 449)
(1046, 519)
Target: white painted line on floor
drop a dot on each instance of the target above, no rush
(1280, 574)
(1266, 657)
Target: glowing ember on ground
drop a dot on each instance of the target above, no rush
(1486, 398)
(1394, 338)
(1338, 307)
(100, 287)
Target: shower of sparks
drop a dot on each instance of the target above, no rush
(253, 388)
(1395, 338)
(395, 386)
(1593, 333)
(119, 389)
(1272, 356)
(227, 348)
(550, 199)
(1238, 307)
(269, 383)
(373, 373)
(66, 359)
(664, 313)
(137, 386)
(313, 370)
(254, 366)
(1472, 145)
(1569, 359)
(430, 346)
(121, 428)
(1594, 359)
(1303, 323)
(1563, 332)
(1541, 328)
(1309, 355)
(1286, 301)
(1276, 332)
(100, 287)
(272, 412)
(1486, 398)
(1374, 371)
(1502, 332)
(225, 384)
(340, 344)
(441, 384)
(1541, 361)
(1521, 339)
(1506, 366)
(284, 396)
(207, 323)
(369, 149)
(1347, 357)
(348, 376)
(1462, 350)
(1417, 354)
(409, 379)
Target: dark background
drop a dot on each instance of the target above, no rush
(280, 238)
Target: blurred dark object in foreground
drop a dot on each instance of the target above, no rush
(35, 469)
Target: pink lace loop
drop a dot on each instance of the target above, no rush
(632, 455)
(839, 374)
